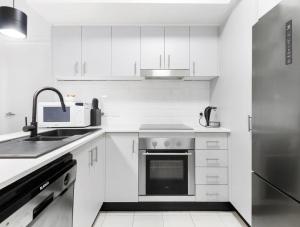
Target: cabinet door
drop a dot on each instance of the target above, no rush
(177, 47)
(96, 51)
(66, 51)
(99, 174)
(121, 167)
(125, 51)
(152, 47)
(82, 192)
(204, 51)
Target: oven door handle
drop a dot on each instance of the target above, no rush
(167, 154)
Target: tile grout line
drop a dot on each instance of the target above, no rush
(194, 223)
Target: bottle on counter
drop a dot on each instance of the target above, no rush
(95, 113)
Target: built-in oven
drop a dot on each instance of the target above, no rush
(167, 166)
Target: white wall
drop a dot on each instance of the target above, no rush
(134, 103)
(26, 68)
(266, 5)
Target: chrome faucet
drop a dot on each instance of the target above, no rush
(33, 127)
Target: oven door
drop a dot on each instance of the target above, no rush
(169, 172)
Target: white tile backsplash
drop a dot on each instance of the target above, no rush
(137, 102)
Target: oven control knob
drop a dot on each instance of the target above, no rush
(154, 144)
(178, 144)
(167, 143)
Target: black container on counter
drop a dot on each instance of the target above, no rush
(95, 113)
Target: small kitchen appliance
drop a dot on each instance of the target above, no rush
(77, 114)
(95, 113)
(210, 114)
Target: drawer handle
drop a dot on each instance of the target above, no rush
(212, 159)
(212, 176)
(216, 142)
(212, 194)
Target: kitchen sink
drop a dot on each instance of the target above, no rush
(59, 134)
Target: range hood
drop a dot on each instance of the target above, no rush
(165, 74)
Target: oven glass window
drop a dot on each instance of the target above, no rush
(167, 169)
(56, 114)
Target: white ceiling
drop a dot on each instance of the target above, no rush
(134, 12)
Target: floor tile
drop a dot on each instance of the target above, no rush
(178, 220)
(207, 220)
(174, 213)
(120, 213)
(147, 213)
(231, 219)
(118, 221)
(148, 221)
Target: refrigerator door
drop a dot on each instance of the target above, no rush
(276, 97)
(271, 208)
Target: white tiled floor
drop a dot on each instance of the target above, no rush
(168, 219)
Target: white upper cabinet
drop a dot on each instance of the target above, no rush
(66, 51)
(177, 47)
(125, 51)
(204, 51)
(152, 47)
(96, 51)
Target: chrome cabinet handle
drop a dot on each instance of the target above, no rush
(133, 143)
(212, 143)
(169, 61)
(167, 154)
(249, 123)
(96, 154)
(84, 68)
(212, 176)
(212, 194)
(76, 69)
(91, 157)
(135, 69)
(160, 61)
(194, 68)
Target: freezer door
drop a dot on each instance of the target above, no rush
(271, 208)
(276, 97)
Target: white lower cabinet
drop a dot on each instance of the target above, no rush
(121, 167)
(90, 179)
(212, 193)
(211, 158)
(211, 175)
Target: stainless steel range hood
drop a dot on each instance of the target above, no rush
(165, 74)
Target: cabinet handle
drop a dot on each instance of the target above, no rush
(96, 150)
(194, 68)
(133, 143)
(135, 69)
(84, 68)
(76, 69)
(91, 157)
(249, 123)
(212, 176)
(212, 194)
(160, 61)
(169, 61)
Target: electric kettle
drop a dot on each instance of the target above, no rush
(210, 117)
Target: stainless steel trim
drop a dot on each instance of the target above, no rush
(167, 154)
(179, 143)
(249, 123)
(167, 74)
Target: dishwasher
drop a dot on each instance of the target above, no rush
(42, 199)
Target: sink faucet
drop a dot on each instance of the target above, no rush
(33, 127)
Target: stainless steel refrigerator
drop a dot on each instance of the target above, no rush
(276, 118)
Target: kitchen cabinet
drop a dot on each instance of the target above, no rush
(152, 47)
(177, 47)
(125, 51)
(90, 180)
(121, 167)
(204, 51)
(81, 51)
(66, 51)
(96, 51)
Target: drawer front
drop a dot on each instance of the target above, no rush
(212, 193)
(211, 175)
(211, 158)
(211, 141)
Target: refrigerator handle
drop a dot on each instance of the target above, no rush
(249, 123)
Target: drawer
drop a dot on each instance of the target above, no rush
(211, 175)
(212, 193)
(212, 158)
(211, 141)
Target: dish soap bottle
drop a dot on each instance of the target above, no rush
(95, 113)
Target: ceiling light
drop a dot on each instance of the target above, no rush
(13, 22)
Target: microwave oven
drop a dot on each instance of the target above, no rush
(51, 115)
